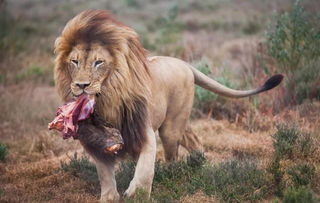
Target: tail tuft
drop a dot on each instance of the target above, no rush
(273, 82)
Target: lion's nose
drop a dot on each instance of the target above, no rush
(83, 85)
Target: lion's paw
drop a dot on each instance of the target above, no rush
(110, 197)
(135, 187)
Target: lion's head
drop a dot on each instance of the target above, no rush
(97, 55)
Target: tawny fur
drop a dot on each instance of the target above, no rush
(136, 94)
(126, 90)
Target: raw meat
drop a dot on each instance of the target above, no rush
(77, 119)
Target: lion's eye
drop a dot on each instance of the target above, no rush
(75, 62)
(98, 63)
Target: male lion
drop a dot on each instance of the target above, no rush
(139, 95)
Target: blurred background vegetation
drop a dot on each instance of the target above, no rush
(271, 140)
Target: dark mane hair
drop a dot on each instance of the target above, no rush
(124, 99)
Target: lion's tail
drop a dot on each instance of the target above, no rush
(213, 86)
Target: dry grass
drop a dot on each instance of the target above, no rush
(42, 181)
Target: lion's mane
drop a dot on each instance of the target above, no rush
(124, 95)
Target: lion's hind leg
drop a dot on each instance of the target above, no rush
(191, 141)
(170, 139)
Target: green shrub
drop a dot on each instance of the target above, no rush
(166, 33)
(284, 141)
(236, 181)
(289, 142)
(299, 195)
(293, 147)
(252, 27)
(306, 81)
(301, 174)
(277, 173)
(293, 40)
(125, 175)
(132, 3)
(3, 152)
(83, 169)
(140, 196)
(169, 177)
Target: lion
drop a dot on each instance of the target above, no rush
(140, 95)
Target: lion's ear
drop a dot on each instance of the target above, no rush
(62, 77)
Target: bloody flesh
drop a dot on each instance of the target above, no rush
(70, 114)
(76, 119)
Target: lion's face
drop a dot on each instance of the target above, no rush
(89, 65)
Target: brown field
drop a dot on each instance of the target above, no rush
(224, 34)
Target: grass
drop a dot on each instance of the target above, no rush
(194, 173)
(85, 170)
(290, 142)
(225, 179)
(292, 163)
(3, 152)
(301, 194)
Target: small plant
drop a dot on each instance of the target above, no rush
(236, 180)
(284, 141)
(297, 195)
(124, 175)
(167, 32)
(277, 175)
(290, 142)
(252, 27)
(293, 41)
(291, 145)
(132, 3)
(83, 169)
(141, 196)
(3, 152)
(301, 174)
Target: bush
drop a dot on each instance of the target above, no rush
(284, 141)
(293, 41)
(252, 27)
(167, 33)
(298, 195)
(291, 161)
(83, 169)
(301, 174)
(124, 175)
(290, 142)
(236, 180)
(3, 152)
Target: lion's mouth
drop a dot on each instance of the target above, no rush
(78, 93)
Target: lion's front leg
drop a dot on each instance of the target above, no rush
(144, 172)
(107, 179)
